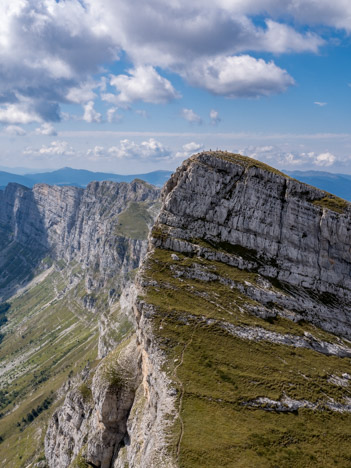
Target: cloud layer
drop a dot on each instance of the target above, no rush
(51, 50)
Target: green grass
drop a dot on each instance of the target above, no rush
(85, 391)
(220, 373)
(48, 339)
(244, 161)
(333, 203)
(79, 462)
(134, 221)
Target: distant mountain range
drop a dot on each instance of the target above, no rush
(79, 177)
(338, 184)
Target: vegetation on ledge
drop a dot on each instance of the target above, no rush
(333, 203)
(220, 373)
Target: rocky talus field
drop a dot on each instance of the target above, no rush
(229, 347)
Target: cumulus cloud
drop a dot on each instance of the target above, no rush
(277, 156)
(239, 76)
(188, 149)
(148, 149)
(19, 113)
(325, 159)
(56, 148)
(50, 50)
(214, 116)
(82, 93)
(96, 153)
(90, 114)
(191, 116)
(14, 130)
(46, 129)
(142, 84)
(320, 104)
(47, 48)
(309, 12)
(169, 33)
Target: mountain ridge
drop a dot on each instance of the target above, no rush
(80, 177)
(237, 350)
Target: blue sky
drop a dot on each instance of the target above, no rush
(130, 87)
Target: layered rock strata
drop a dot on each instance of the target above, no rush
(244, 292)
(242, 326)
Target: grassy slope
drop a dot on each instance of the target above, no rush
(216, 373)
(49, 335)
(134, 222)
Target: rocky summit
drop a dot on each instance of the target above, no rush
(237, 352)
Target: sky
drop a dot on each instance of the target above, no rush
(135, 86)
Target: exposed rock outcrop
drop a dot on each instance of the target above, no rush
(260, 220)
(71, 223)
(241, 312)
(68, 254)
(244, 264)
(92, 421)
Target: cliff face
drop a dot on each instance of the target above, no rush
(70, 223)
(282, 229)
(232, 347)
(66, 256)
(243, 314)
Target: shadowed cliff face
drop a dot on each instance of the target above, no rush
(23, 237)
(67, 223)
(66, 255)
(243, 310)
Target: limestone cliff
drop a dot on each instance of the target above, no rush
(70, 223)
(66, 256)
(243, 315)
(240, 351)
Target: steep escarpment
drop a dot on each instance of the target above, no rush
(243, 320)
(232, 347)
(69, 223)
(66, 256)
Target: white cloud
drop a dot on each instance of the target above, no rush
(96, 153)
(56, 148)
(112, 115)
(14, 130)
(148, 149)
(18, 113)
(281, 38)
(240, 76)
(214, 116)
(320, 104)
(325, 159)
(165, 35)
(281, 157)
(191, 116)
(142, 84)
(50, 50)
(188, 149)
(46, 129)
(82, 93)
(90, 114)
